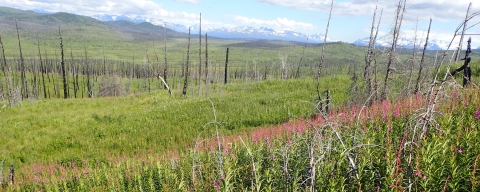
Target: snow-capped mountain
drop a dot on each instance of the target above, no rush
(265, 33)
(224, 32)
(386, 41)
(140, 19)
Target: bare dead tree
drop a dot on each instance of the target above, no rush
(375, 79)
(185, 83)
(165, 66)
(11, 175)
(297, 74)
(417, 84)
(395, 36)
(23, 69)
(226, 68)
(42, 69)
(459, 49)
(414, 61)
(5, 70)
(89, 71)
(64, 73)
(368, 73)
(200, 55)
(157, 71)
(206, 59)
(72, 68)
(322, 58)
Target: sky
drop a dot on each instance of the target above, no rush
(350, 19)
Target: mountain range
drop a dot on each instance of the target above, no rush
(407, 43)
(241, 32)
(265, 33)
(262, 33)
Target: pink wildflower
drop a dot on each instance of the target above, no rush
(477, 114)
(460, 150)
(418, 173)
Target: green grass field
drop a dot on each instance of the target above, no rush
(262, 131)
(56, 130)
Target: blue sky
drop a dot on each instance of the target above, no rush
(351, 19)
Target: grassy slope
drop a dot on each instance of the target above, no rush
(57, 130)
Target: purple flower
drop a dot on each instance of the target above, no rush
(477, 114)
(460, 150)
(217, 185)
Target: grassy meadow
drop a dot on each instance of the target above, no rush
(266, 129)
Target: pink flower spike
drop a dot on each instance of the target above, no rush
(477, 114)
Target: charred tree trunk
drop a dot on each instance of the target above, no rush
(206, 59)
(23, 75)
(185, 83)
(226, 68)
(200, 56)
(5, 70)
(368, 73)
(297, 74)
(165, 66)
(322, 58)
(417, 84)
(396, 35)
(42, 69)
(64, 73)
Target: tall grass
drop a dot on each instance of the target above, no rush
(447, 159)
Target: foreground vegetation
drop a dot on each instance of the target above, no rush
(353, 149)
(265, 125)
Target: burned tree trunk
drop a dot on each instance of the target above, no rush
(64, 73)
(200, 56)
(23, 75)
(226, 68)
(417, 84)
(185, 83)
(206, 59)
(165, 66)
(396, 35)
(8, 82)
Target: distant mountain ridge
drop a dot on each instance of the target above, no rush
(407, 43)
(241, 32)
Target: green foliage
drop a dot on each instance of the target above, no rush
(446, 159)
(152, 141)
(57, 130)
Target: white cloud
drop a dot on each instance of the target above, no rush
(279, 23)
(113, 7)
(195, 2)
(442, 10)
